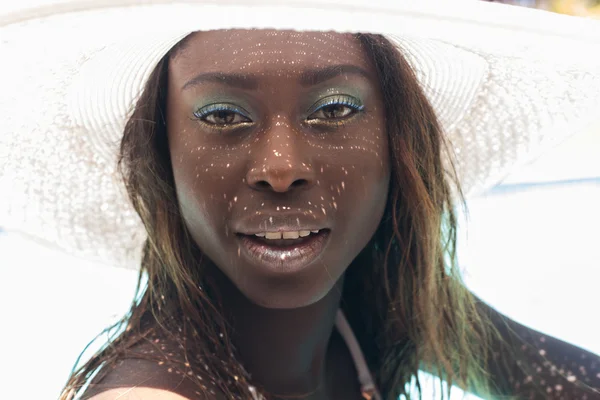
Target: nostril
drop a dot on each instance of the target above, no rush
(299, 182)
(263, 185)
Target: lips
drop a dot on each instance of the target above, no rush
(283, 256)
(276, 242)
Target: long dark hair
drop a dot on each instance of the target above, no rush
(409, 310)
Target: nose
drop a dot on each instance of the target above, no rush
(281, 163)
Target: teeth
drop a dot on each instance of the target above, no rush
(273, 235)
(285, 235)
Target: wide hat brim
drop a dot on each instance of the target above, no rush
(506, 82)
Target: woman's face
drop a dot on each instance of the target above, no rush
(279, 155)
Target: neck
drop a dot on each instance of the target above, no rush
(284, 350)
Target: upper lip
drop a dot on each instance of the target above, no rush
(279, 222)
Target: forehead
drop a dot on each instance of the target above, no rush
(267, 51)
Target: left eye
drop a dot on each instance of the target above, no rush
(335, 108)
(333, 111)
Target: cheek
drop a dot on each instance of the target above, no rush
(362, 191)
(359, 184)
(206, 180)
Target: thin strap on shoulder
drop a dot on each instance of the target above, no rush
(368, 388)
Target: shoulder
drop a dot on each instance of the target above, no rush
(136, 379)
(137, 393)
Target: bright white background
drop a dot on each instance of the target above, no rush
(531, 251)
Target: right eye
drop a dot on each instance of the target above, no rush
(221, 116)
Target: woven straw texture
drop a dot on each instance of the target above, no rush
(506, 84)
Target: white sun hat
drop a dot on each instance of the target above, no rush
(506, 82)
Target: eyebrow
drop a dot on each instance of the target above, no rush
(309, 77)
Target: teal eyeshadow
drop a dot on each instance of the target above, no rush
(220, 99)
(310, 99)
(319, 95)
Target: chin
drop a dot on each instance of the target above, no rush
(287, 293)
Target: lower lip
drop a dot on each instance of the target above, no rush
(286, 259)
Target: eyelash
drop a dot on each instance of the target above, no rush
(202, 113)
(337, 100)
